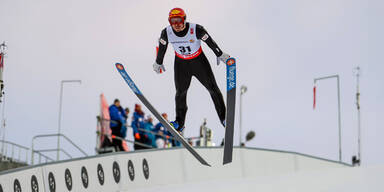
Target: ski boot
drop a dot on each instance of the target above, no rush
(175, 125)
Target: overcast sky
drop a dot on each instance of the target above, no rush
(280, 47)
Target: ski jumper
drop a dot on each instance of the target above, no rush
(190, 60)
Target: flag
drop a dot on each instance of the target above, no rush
(1, 73)
(104, 129)
(1, 60)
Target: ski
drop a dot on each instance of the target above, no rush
(165, 123)
(231, 102)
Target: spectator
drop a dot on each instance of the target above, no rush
(138, 127)
(148, 126)
(125, 113)
(126, 110)
(190, 141)
(117, 124)
(124, 129)
(162, 135)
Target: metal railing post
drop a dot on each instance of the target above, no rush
(338, 105)
(26, 156)
(12, 151)
(339, 115)
(19, 158)
(5, 150)
(32, 152)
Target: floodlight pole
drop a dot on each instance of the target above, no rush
(358, 113)
(60, 111)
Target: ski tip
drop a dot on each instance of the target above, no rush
(230, 61)
(119, 66)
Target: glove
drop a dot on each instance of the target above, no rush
(224, 57)
(137, 136)
(158, 68)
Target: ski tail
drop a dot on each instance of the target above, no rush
(231, 103)
(175, 134)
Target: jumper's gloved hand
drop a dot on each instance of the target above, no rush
(158, 68)
(224, 57)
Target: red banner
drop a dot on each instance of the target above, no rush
(1, 60)
(104, 129)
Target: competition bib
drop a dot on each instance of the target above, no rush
(187, 47)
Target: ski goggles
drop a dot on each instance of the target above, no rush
(176, 20)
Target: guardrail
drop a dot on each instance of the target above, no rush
(49, 150)
(47, 159)
(165, 137)
(15, 152)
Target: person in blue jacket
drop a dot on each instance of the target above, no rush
(138, 127)
(117, 124)
(148, 126)
(162, 137)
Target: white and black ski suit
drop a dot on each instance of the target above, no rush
(191, 61)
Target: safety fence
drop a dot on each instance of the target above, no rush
(167, 138)
(13, 152)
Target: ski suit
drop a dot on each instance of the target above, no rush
(190, 61)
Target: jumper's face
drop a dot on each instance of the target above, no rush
(177, 23)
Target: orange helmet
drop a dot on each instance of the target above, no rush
(176, 15)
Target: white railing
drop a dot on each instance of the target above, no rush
(39, 152)
(13, 152)
(165, 137)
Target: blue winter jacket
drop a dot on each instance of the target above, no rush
(148, 126)
(117, 116)
(137, 122)
(160, 128)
